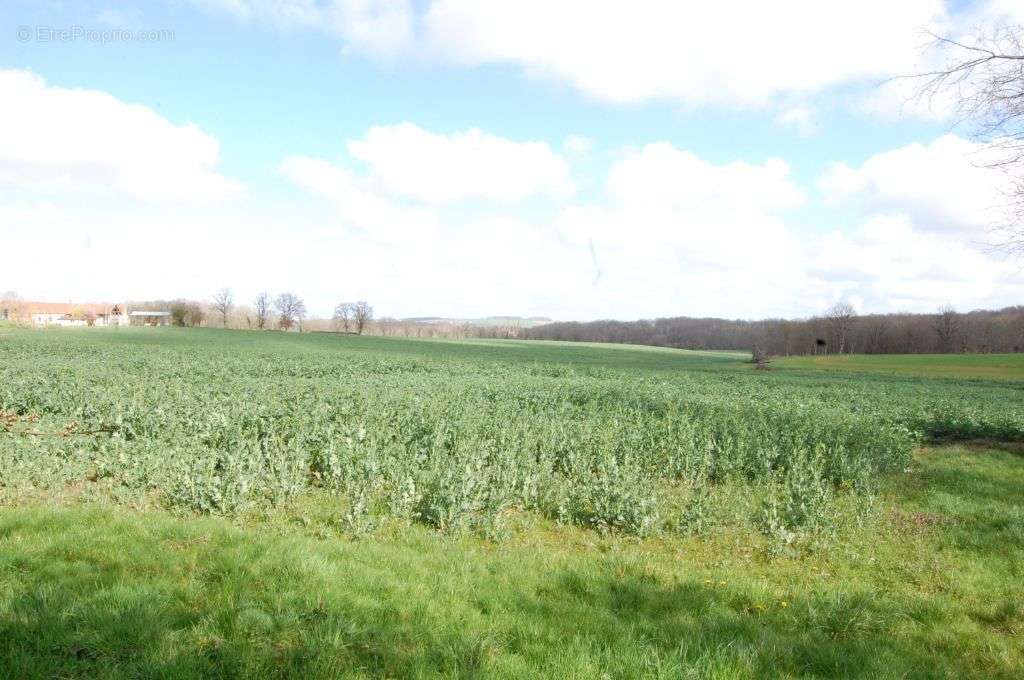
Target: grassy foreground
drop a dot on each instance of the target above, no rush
(930, 586)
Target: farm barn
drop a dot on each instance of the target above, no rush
(64, 314)
(145, 318)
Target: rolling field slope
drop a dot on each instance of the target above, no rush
(196, 503)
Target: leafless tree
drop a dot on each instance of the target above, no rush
(262, 308)
(839, 318)
(223, 300)
(875, 335)
(983, 72)
(290, 310)
(10, 296)
(196, 314)
(947, 326)
(361, 314)
(343, 315)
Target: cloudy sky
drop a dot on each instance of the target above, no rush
(563, 158)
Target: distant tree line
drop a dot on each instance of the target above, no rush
(840, 330)
(448, 329)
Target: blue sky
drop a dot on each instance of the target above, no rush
(463, 158)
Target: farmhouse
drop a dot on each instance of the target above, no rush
(63, 314)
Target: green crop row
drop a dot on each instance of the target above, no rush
(212, 424)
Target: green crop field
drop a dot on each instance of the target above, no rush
(201, 503)
(990, 366)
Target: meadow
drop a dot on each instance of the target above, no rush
(989, 366)
(186, 503)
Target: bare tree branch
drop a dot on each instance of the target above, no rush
(983, 72)
(343, 315)
(362, 314)
(223, 300)
(291, 310)
(262, 307)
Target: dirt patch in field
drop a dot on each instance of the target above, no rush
(977, 445)
(916, 522)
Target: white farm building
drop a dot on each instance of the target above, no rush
(63, 314)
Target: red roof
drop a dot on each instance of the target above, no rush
(94, 308)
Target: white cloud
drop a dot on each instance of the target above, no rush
(680, 233)
(577, 144)
(1005, 10)
(803, 119)
(731, 52)
(433, 168)
(673, 234)
(665, 261)
(54, 138)
(661, 175)
(380, 28)
(653, 261)
(903, 98)
(677, 232)
(892, 265)
(96, 253)
(407, 162)
(283, 12)
(411, 173)
(756, 266)
(941, 185)
(358, 203)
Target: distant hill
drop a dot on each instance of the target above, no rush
(520, 321)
